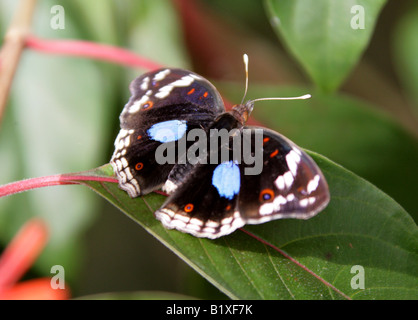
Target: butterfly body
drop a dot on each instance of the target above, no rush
(224, 174)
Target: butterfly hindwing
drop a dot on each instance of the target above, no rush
(290, 184)
(216, 199)
(197, 207)
(164, 106)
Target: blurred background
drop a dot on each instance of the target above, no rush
(63, 116)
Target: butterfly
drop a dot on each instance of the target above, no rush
(252, 176)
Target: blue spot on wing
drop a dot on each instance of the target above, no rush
(226, 179)
(168, 131)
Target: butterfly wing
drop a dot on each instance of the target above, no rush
(216, 199)
(197, 207)
(290, 184)
(164, 106)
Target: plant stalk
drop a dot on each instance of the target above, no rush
(13, 45)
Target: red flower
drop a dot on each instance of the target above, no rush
(17, 259)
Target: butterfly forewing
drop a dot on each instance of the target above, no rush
(164, 106)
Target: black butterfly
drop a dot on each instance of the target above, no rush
(216, 192)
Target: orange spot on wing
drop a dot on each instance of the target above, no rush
(188, 208)
(147, 105)
(265, 140)
(139, 166)
(266, 195)
(191, 91)
(274, 153)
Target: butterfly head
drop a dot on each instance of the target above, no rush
(242, 111)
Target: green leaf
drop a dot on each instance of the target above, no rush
(406, 53)
(320, 34)
(361, 226)
(136, 295)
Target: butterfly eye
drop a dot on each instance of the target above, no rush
(147, 105)
(188, 208)
(139, 166)
(266, 195)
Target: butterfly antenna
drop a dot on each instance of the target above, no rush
(245, 57)
(305, 96)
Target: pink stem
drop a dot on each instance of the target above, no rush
(91, 50)
(54, 180)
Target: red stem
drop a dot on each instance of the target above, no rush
(91, 50)
(54, 180)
